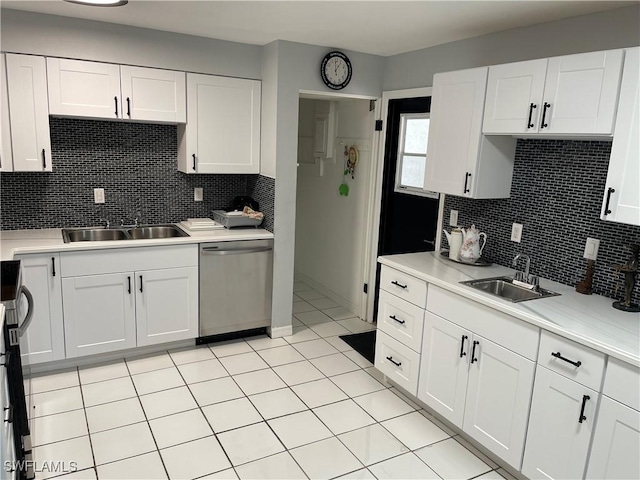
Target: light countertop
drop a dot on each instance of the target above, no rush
(587, 319)
(14, 242)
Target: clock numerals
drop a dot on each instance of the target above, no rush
(336, 70)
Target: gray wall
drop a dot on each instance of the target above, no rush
(27, 32)
(599, 31)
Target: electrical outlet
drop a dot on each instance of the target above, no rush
(453, 218)
(591, 248)
(197, 194)
(516, 232)
(98, 195)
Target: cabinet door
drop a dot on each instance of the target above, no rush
(444, 367)
(616, 443)
(623, 178)
(581, 92)
(498, 397)
(514, 95)
(99, 313)
(41, 274)
(84, 89)
(29, 113)
(6, 157)
(457, 103)
(222, 134)
(153, 95)
(557, 443)
(166, 305)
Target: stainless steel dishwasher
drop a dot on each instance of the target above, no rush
(236, 280)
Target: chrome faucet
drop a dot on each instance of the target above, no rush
(107, 224)
(524, 276)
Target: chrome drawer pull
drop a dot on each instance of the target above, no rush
(397, 364)
(559, 355)
(393, 317)
(399, 285)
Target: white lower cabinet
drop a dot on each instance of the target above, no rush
(99, 314)
(159, 320)
(560, 427)
(45, 335)
(477, 385)
(498, 393)
(616, 443)
(444, 368)
(398, 362)
(106, 309)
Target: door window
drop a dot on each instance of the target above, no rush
(412, 154)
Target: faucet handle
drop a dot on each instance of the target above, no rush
(535, 281)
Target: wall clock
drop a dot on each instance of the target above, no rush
(336, 70)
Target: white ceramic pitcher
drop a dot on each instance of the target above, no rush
(471, 249)
(455, 242)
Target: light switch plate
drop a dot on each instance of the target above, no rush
(453, 218)
(591, 248)
(516, 232)
(197, 194)
(98, 195)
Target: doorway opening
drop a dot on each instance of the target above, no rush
(334, 182)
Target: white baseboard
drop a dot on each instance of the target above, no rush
(327, 292)
(109, 357)
(278, 332)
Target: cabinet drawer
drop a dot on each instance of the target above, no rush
(516, 335)
(557, 353)
(401, 320)
(99, 262)
(405, 370)
(404, 286)
(622, 383)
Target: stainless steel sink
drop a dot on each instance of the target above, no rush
(97, 234)
(156, 231)
(504, 287)
(92, 235)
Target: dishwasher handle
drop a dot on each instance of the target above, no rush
(239, 251)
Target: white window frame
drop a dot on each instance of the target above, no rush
(399, 188)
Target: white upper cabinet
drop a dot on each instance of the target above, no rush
(222, 134)
(513, 97)
(149, 94)
(460, 160)
(102, 90)
(571, 95)
(28, 113)
(84, 89)
(621, 202)
(6, 157)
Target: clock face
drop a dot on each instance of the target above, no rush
(336, 70)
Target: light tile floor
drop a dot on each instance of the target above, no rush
(305, 406)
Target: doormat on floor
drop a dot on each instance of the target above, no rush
(364, 343)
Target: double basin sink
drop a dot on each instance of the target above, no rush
(97, 234)
(506, 288)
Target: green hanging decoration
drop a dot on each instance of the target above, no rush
(350, 161)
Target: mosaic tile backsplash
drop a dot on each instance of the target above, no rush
(135, 163)
(556, 194)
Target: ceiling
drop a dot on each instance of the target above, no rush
(375, 27)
